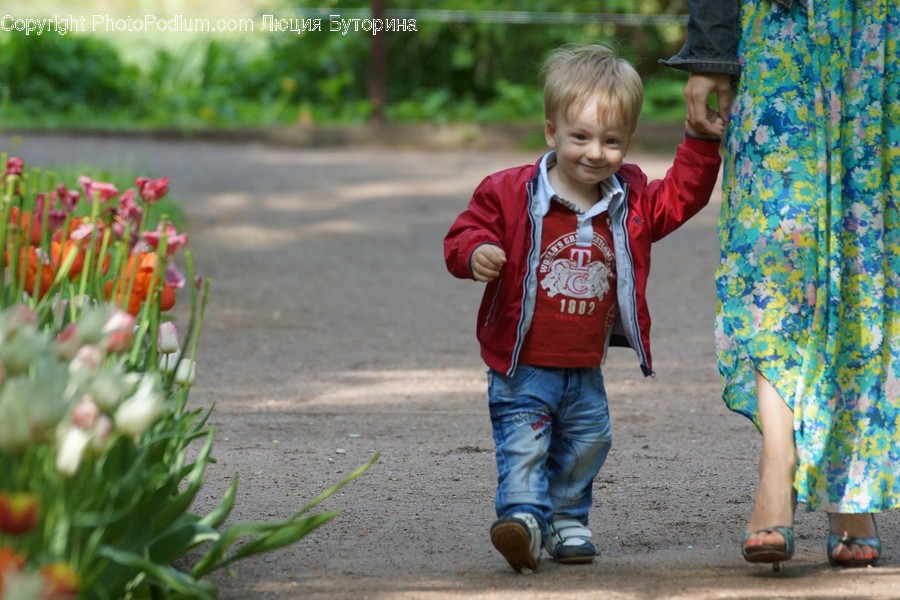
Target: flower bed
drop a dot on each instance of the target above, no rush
(96, 477)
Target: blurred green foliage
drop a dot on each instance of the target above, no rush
(470, 69)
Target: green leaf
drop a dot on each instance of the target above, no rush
(270, 535)
(289, 533)
(162, 575)
(180, 539)
(180, 503)
(338, 486)
(218, 515)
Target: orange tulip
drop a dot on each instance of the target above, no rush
(139, 268)
(29, 262)
(23, 221)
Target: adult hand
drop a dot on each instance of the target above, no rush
(486, 262)
(701, 120)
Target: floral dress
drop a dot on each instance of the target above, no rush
(809, 279)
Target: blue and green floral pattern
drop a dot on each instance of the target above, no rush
(809, 279)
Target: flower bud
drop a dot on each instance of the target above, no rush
(168, 363)
(184, 374)
(168, 338)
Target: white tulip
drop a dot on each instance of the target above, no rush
(139, 411)
(70, 449)
(168, 362)
(168, 338)
(184, 375)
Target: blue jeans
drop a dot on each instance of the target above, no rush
(552, 434)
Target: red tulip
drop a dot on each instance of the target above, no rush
(18, 513)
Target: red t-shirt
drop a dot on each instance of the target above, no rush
(576, 298)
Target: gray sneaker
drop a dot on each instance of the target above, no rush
(518, 538)
(569, 541)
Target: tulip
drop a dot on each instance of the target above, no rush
(14, 165)
(119, 332)
(70, 449)
(68, 341)
(97, 189)
(174, 240)
(168, 338)
(184, 375)
(139, 411)
(60, 581)
(129, 213)
(168, 363)
(101, 431)
(152, 189)
(85, 413)
(18, 513)
(68, 198)
(109, 386)
(87, 357)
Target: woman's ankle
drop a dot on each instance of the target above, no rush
(856, 525)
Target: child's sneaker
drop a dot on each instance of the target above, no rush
(569, 541)
(518, 538)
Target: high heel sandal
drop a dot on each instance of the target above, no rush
(874, 542)
(769, 553)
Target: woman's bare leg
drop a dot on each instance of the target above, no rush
(774, 504)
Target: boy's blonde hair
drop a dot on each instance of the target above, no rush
(573, 74)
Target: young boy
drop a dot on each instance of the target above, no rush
(564, 247)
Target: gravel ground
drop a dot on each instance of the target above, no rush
(334, 332)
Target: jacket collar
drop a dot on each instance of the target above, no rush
(544, 192)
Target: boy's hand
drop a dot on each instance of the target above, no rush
(486, 262)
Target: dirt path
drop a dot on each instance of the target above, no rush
(334, 332)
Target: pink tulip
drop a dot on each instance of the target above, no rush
(85, 413)
(68, 198)
(14, 165)
(82, 232)
(152, 189)
(174, 277)
(174, 240)
(118, 332)
(97, 189)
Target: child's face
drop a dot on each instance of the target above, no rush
(587, 150)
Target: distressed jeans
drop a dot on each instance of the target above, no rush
(552, 434)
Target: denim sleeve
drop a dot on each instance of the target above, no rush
(712, 38)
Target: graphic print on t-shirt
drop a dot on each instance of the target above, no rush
(576, 304)
(568, 270)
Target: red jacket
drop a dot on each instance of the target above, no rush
(504, 211)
